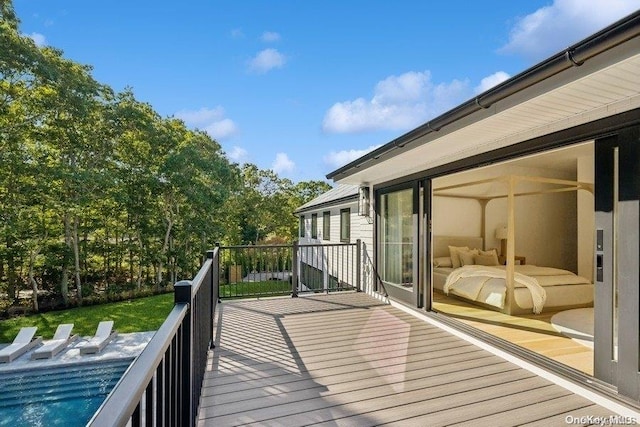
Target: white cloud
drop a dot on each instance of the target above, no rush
(282, 164)
(238, 154)
(211, 120)
(201, 116)
(39, 39)
(221, 129)
(267, 60)
(399, 103)
(552, 28)
(341, 158)
(491, 81)
(270, 37)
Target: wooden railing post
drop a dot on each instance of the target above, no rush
(294, 270)
(358, 265)
(182, 295)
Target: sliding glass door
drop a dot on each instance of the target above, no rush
(397, 238)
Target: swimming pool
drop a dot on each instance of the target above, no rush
(66, 395)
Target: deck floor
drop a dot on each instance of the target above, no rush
(350, 360)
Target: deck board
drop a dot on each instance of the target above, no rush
(347, 359)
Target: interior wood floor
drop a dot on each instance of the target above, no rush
(531, 331)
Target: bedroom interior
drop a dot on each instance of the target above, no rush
(525, 227)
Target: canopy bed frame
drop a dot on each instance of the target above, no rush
(509, 191)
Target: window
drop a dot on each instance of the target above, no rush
(326, 225)
(396, 237)
(301, 225)
(345, 225)
(314, 226)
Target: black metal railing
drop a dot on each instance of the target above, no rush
(250, 271)
(163, 384)
(270, 270)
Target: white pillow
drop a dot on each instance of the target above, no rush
(455, 258)
(466, 257)
(485, 260)
(442, 261)
(490, 253)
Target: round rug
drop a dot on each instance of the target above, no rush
(576, 324)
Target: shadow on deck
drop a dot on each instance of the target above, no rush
(348, 359)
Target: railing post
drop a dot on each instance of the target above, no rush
(358, 265)
(218, 272)
(182, 295)
(294, 270)
(214, 295)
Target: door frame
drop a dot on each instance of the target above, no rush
(617, 256)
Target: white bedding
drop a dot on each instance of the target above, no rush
(476, 283)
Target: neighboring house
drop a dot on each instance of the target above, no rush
(333, 220)
(542, 169)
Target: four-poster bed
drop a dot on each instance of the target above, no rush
(513, 288)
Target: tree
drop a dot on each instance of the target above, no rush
(263, 208)
(96, 189)
(23, 69)
(8, 14)
(74, 131)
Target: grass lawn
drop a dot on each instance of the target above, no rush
(138, 315)
(248, 289)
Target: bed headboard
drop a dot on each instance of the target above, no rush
(441, 244)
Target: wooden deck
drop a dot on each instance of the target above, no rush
(349, 360)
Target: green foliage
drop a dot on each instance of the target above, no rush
(8, 14)
(97, 190)
(262, 210)
(137, 315)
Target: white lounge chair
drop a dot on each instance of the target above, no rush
(103, 336)
(22, 343)
(60, 341)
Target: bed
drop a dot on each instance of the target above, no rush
(536, 288)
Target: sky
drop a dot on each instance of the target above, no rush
(305, 87)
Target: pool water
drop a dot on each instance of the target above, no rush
(57, 396)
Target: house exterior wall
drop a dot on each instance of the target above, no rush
(334, 260)
(355, 221)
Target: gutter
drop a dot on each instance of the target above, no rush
(574, 56)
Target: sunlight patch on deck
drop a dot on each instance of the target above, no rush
(394, 374)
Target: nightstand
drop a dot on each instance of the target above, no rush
(520, 260)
